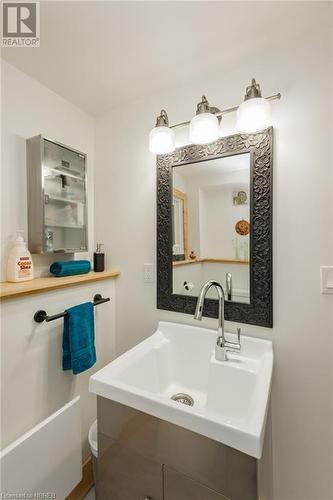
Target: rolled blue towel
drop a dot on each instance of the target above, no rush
(69, 267)
(78, 341)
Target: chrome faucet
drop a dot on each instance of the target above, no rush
(222, 345)
(228, 281)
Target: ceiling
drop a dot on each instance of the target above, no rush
(99, 54)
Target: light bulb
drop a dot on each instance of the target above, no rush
(204, 126)
(161, 140)
(161, 137)
(253, 114)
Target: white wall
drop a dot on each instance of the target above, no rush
(199, 273)
(218, 217)
(28, 108)
(301, 69)
(211, 213)
(192, 273)
(33, 382)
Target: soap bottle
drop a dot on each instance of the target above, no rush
(19, 265)
(99, 259)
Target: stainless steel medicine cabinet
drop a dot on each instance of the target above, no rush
(57, 197)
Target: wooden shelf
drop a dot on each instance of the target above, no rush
(227, 261)
(186, 262)
(207, 259)
(48, 283)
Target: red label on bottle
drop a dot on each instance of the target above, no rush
(24, 263)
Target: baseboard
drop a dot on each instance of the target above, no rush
(86, 482)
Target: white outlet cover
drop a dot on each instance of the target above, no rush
(326, 279)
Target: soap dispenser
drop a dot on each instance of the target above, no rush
(19, 265)
(99, 259)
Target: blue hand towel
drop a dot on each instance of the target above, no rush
(69, 267)
(78, 341)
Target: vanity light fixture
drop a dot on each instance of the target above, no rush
(254, 113)
(204, 126)
(161, 137)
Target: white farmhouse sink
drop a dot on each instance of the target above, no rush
(230, 397)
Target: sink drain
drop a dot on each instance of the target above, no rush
(180, 397)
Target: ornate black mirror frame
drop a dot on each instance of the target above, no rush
(260, 146)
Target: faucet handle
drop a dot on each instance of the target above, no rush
(234, 346)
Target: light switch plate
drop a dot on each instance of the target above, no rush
(148, 271)
(326, 279)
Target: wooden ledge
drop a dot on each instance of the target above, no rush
(227, 261)
(207, 259)
(186, 262)
(48, 283)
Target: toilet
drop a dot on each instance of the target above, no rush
(92, 438)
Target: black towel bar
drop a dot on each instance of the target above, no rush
(41, 316)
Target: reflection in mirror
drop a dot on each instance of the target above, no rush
(180, 225)
(211, 226)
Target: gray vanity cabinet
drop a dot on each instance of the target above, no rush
(127, 475)
(141, 457)
(180, 487)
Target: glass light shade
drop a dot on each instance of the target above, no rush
(161, 140)
(253, 115)
(204, 128)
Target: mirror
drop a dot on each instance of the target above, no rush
(211, 226)
(214, 221)
(180, 225)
